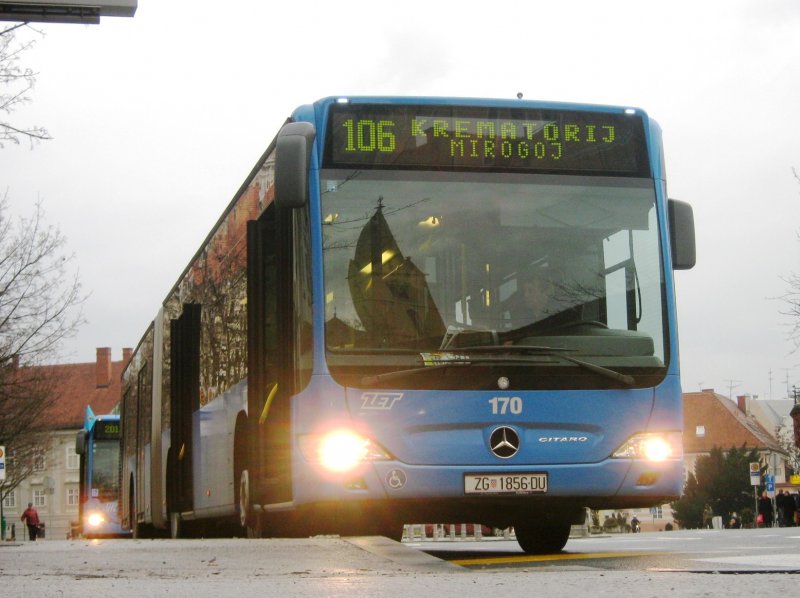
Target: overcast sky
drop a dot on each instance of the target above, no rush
(158, 119)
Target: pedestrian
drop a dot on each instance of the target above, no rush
(708, 517)
(764, 511)
(788, 509)
(785, 507)
(31, 519)
(796, 499)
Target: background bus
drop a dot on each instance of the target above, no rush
(420, 309)
(98, 445)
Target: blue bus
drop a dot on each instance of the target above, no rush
(420, 309)
(98, 445)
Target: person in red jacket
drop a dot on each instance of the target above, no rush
(31, 519)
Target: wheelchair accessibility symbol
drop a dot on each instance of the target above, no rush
(396, 479)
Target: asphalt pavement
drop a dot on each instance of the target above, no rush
(332, 566)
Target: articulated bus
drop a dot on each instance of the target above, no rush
(420, 309)
(98, 446)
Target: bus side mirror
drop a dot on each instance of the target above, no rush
(80, 443)
(681, 234)
(292, 158)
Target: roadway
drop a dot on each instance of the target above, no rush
(718, 551)
(680, 563)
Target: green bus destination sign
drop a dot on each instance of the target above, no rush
(107, 430)
(474, 138)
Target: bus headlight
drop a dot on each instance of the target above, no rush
(95, 519)
(651, 447)
(341, 450)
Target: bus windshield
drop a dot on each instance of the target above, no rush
(105, 470)
(417, 264)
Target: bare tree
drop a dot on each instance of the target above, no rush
(785, 436)
(25, 394)
(40, 305)
(792, 300)
(792, 297)
(16, 84)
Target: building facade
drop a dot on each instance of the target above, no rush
(712, 420)
(53, 488)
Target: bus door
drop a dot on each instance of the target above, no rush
(142, 413)
(184, 401)
(270, 347)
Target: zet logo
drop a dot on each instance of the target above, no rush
(381, 401)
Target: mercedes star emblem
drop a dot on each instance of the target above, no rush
(504, 442)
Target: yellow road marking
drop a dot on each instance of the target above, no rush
(541, 558)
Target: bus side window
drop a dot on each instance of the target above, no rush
(617, 257)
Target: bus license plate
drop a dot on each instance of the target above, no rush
(509, 483)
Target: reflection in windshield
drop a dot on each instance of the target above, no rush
(388, 290)
(105, 470)
(418, 262)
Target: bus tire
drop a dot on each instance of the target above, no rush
(255, 530)
(175, 525)
(136, 531)
(543, 537)
(248, 518)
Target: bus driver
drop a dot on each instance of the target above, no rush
(535, 297)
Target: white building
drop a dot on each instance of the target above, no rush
(54, 486)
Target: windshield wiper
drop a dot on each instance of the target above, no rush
(552, 351)
(442, 363)
(371, 380)
(520, 354)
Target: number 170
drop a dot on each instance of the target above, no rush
(503, 405)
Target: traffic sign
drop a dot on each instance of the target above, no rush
(755, 473)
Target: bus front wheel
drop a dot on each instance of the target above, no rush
(543, 537)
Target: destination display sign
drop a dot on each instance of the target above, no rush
(486, 138)
(110, 429)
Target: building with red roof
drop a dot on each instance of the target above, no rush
(54, 486)
(711, 419)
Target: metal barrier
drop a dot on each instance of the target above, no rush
(433, 532)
